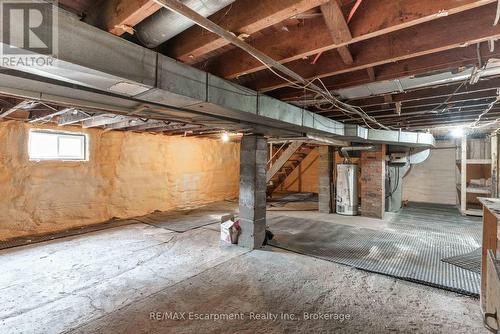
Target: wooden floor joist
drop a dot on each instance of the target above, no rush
(449, 60)
(120, 16)
(431, 37)
(243, 18)
(338, 28)
(373, 19)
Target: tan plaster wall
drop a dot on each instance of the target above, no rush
(128, 174)
(434, 180)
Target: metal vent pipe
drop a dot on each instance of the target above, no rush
(165, 24)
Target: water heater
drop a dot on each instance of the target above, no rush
(347, 189)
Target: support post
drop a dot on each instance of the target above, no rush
(373, 183)
(325, 181)
(252, 203)
(463, 175)
(494, 165)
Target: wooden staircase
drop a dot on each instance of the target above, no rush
(283, 163)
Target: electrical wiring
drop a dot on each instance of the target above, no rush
(343, 107)
(271, 64)
(490, 106)
(336, 103)
(433, 110)
(325, 93)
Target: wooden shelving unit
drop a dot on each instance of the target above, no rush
(478, 163)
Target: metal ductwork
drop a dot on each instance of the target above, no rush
(165, 24)
(99, 68)
(344, 150)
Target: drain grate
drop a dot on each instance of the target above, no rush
(469, 261)
(407, 251)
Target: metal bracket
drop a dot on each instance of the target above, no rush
(485, 322)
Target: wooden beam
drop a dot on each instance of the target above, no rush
(440, 61)
(473, 114)
(202, 21)
(482, 97)
(442, 121)
(494, 165)
(337, 26)
(119, 16)
(371, 74)
(437, 106)
(489, 242)
(243, 18)
(430, 119)
(435, 36)
(418, 115)
(374, 18)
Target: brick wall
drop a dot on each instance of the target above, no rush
(373, 183)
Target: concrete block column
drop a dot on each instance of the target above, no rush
(373, 183)
(325, 181)
(253, 159)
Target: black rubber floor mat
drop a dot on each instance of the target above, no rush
(186, 220)
(28, 240)
(411, 253)
(292, 198)
(293, 202)
(469, 261)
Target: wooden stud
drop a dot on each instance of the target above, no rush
(463, 175)
(494, 165)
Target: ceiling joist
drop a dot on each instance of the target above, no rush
(120, 16)
(439, 35)
(313, 36)
(243, 18)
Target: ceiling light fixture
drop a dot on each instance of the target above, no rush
(457, 132)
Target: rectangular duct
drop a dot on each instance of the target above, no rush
(95, 59)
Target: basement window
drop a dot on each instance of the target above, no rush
(50, 145)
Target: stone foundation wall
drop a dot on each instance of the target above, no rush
(128, 174)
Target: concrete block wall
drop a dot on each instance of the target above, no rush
(373, 183)
(325, 179)
(252, 203)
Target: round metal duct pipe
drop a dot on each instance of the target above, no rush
(165, 24)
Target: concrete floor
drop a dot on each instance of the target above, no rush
(114, 281)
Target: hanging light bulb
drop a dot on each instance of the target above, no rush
(457, 132)
(225, 137)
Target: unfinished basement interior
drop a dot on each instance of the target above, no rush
(249, 166)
